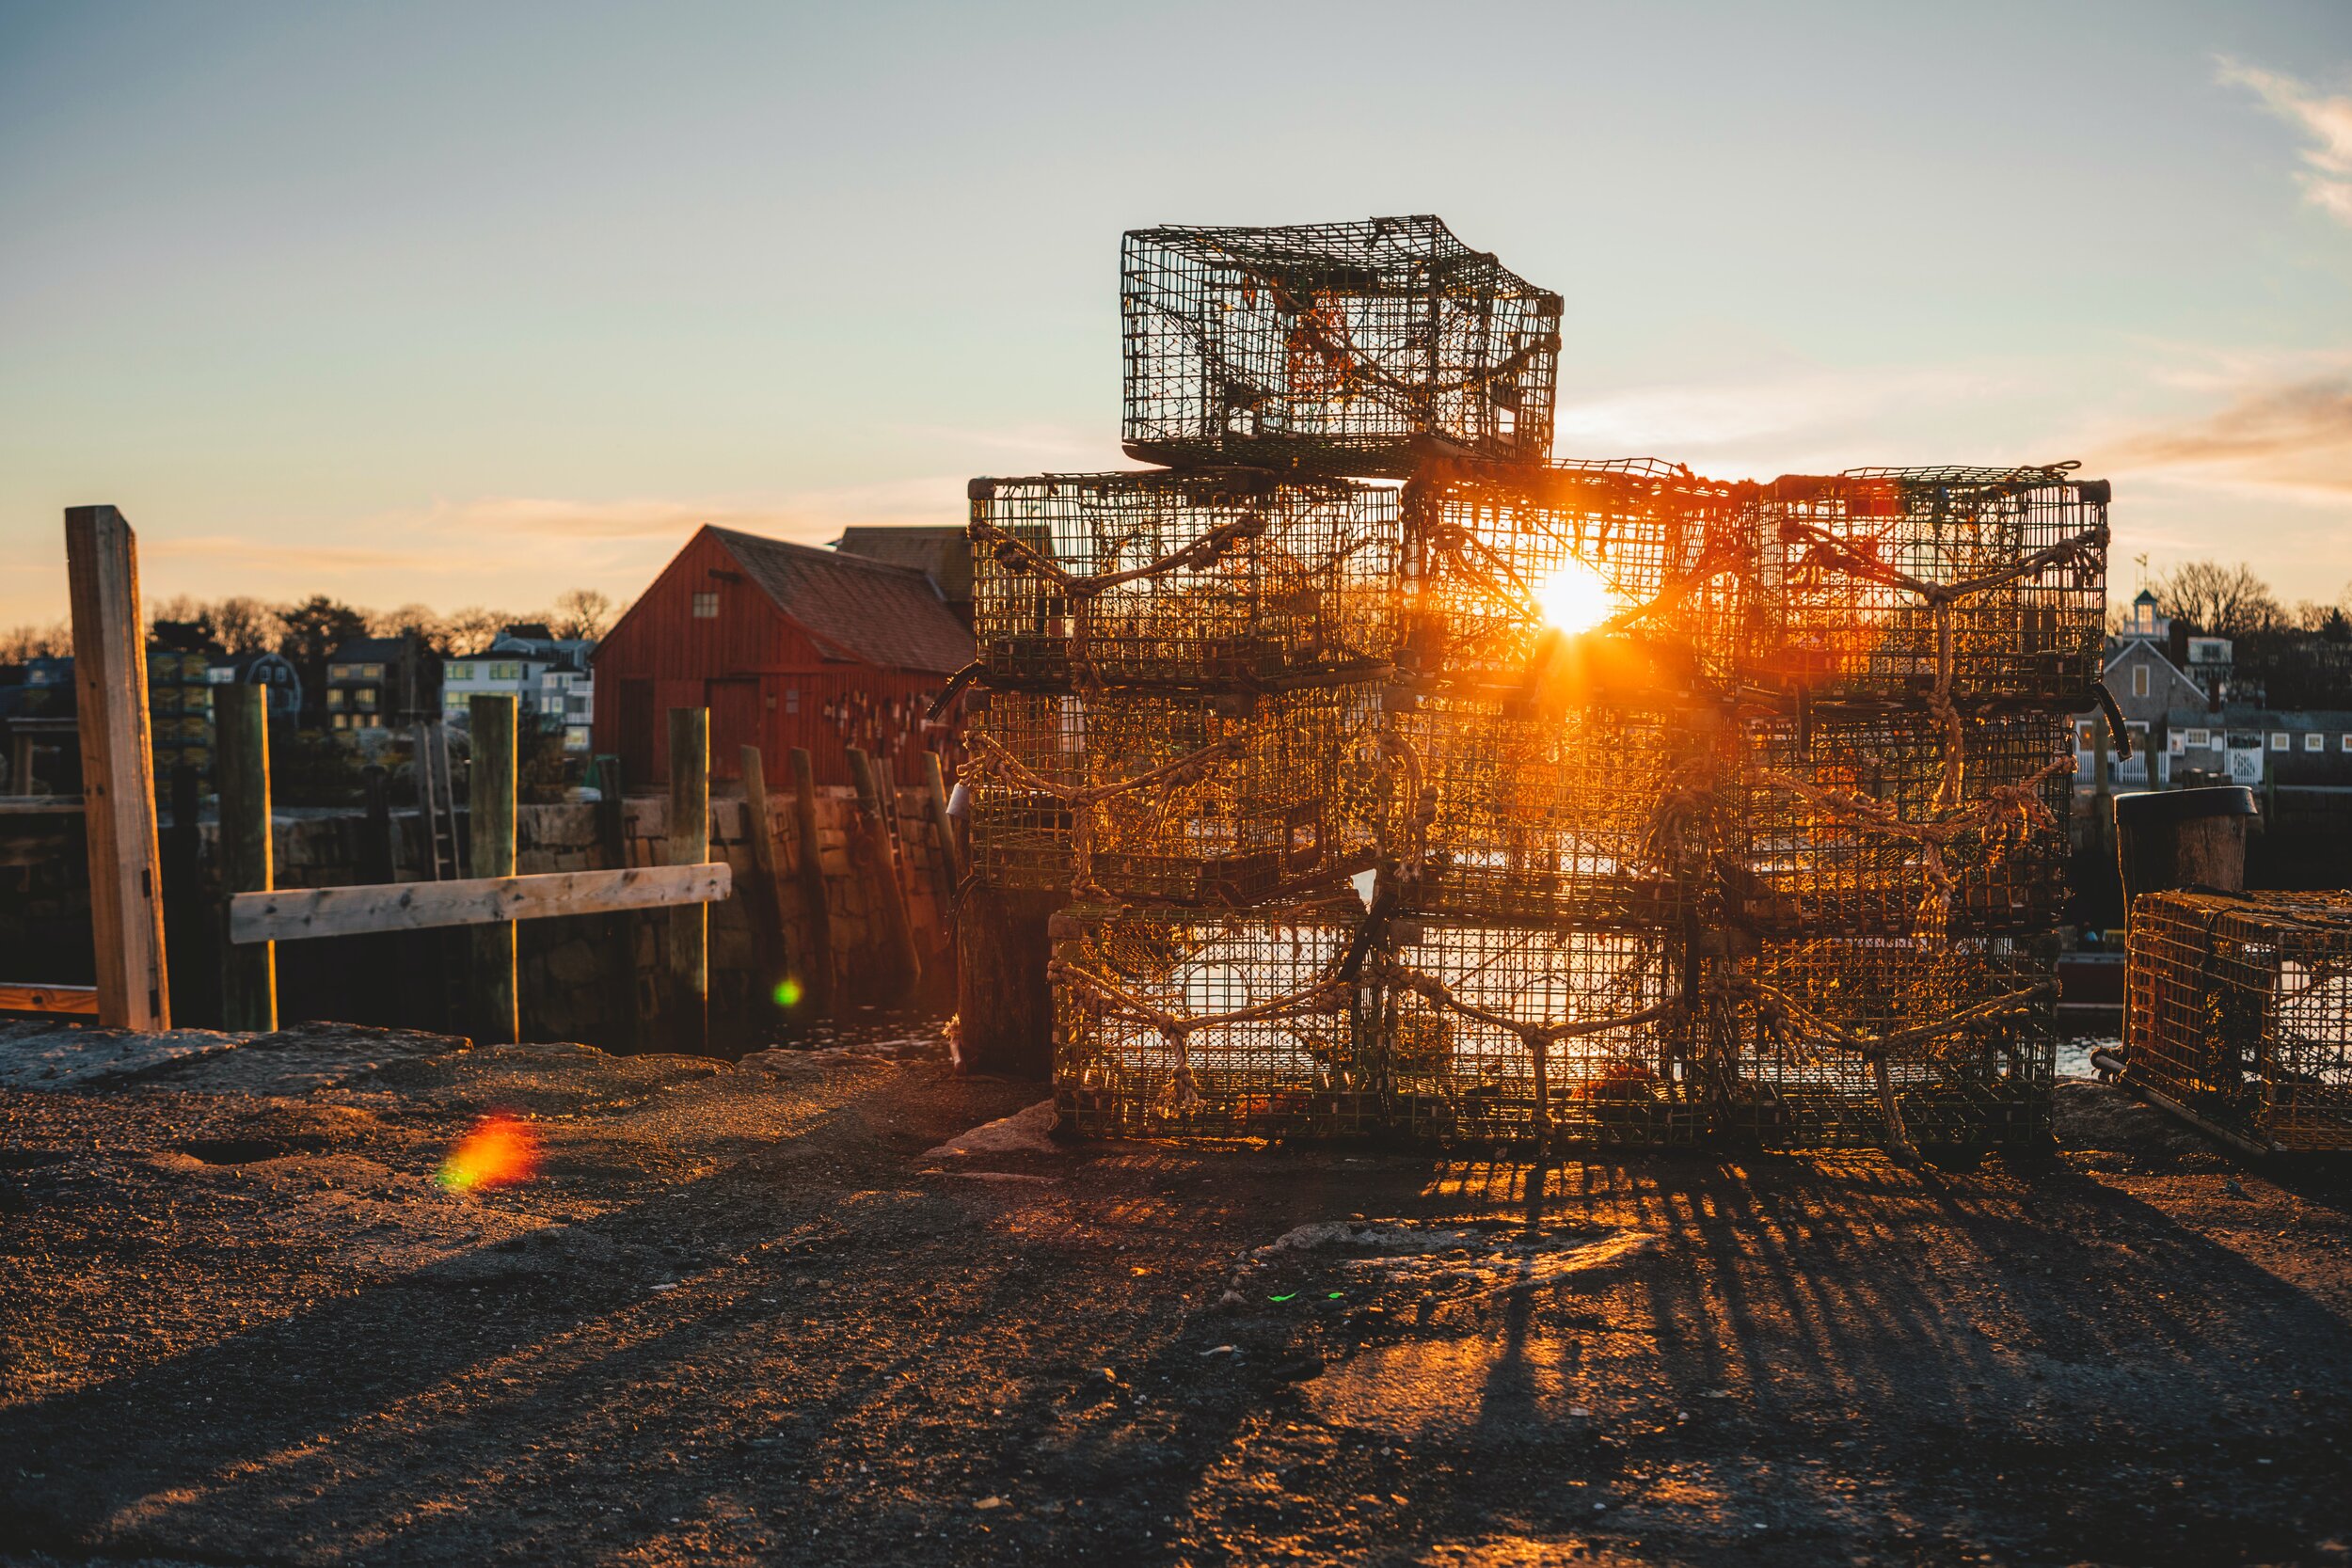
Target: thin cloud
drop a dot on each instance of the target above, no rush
(2326, 119)
(2296, 436)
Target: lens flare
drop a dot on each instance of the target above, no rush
(500, 1151)
(788, 993)
(1574, 598)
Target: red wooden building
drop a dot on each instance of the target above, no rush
(787, 646)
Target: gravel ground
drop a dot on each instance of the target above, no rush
(757, 1313)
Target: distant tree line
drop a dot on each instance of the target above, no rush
(2299, 658)
(307, 632)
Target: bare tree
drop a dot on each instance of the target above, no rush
(583, 612)
(19, 643)
(246, 625)
(470, 630)
(2221, 601)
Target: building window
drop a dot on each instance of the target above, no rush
(371, 671)
(506, 672)
(364, 698)
(2200, 737)
(2314, 743)
(791, 699)
(334, 697)
(2139, 680)
(2278, 740)
(706, 605)
(2347, 743)
(339, 672)
(459, 672)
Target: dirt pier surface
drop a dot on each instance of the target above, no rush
(753, 1313)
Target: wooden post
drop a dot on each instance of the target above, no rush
(765, 908)
(118, 769)
(1003, 1003)
(689, 845)
(620, 929)
(186, 922)
(248, 974)
(894, 898)
(491, 808)
(812, 869)
(951, 853)
(379, 866)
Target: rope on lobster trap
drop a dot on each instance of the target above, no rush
(1537, 1037)
(991, 756)
(2004, 816)
(1776, 1009)
(1182, 1093)
(1317, 328)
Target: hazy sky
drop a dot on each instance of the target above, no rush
(470, 304)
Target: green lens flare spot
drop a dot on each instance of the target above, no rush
(788, 993)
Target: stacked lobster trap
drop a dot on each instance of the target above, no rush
(1692, 808)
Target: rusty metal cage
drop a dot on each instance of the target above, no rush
(1452, 1035)
(1174, 1022)
(1190, 797)
(1891, 824)
(1210, 578)
(1600, 816)
(1614, 581)
(2239, 1012)
(1331, 347)
(1878, 583)
(1880, 1042)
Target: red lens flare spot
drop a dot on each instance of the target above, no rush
(500, 1151)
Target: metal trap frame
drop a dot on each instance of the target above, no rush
(1888, 1042)
(1496, 553)
(1863, 825)
(1191, 1023)
(1212, 578)
(2239, 1013)
(1597, 816)
(1451, 1038)
(1331, 347)
(1897, 583)
(1188, 798)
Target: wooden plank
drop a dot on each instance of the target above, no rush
(689, 844)
(812, 870)
(490, 827)
(909, 959)
(290, 914)
(49, 999)
(625, 1001)
(951, 853)
(118, 769)
(248, 974)
(40, 806)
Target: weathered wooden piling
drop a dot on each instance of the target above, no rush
(490, 803)
(894, 898)
(1003, 1003)
(819, 977)
(248, 977)
(765, 910)
(688, 1018)
(2183, 838)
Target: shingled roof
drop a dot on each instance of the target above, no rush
(860, 609)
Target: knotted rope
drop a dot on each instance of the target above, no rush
(1182, 1093)
(2006, 815)
(1320, 334)
(991, 757)
(1776, 1010)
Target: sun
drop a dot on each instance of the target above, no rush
(1574, 598)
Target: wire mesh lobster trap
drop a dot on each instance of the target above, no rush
(1508, 811)
(1210, 577)
(1613, 579)
(1212, 1024)
(1331, 347)
(1893, 823)
(1499, 1033)
(1894, 1043)
(1190, 797)
(2239, 1011)
(1913, 584)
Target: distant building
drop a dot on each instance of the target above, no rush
(274, 672)
(549, 678)
(787, 645)
(940, 552)
(375, 683)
